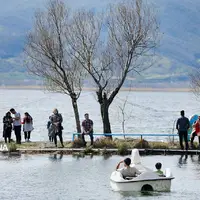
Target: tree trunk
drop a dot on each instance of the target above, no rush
(76, 114)
(105, 117)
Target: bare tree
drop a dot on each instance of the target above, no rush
(48, 55)
(125, 114)
(112, 45)
(195, 81)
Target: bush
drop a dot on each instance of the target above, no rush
(159, 145)
(12, 147)
(104, 143)
(77, 143)
(88, 150)
(142, 144)
(122, 149)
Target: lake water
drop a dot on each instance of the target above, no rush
(146, 112)
(44, 177)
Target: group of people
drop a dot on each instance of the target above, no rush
(128, 172)
(12, 121)
(54, 126)
(183, 125)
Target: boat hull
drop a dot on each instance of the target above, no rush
(152, 185)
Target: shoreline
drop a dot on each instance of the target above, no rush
(133, 89)
(105, 147)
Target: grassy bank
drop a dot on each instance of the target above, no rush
(101, 146)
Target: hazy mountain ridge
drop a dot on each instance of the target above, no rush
(178, 53)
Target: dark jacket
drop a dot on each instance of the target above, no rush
(183, 124)
(7, 122)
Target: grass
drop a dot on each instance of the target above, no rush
(119, 146)
(105, 143)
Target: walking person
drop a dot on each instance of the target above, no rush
(56, 126)
(16, 125)
(87, 126)
(27, 126)
(182, 126)
(7, 127)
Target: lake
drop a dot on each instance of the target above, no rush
(42, 177)
(146, 112)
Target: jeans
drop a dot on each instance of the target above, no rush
(183, 135)
(27, 135)
(60, 137)
(7, 134)
(17, 130)
(91, 138)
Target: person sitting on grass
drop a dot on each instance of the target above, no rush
(127, 171)
(159, 171)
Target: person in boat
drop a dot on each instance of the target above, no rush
(7, 127)
(195, 132)
(182, 125)
(127, 171)
(159, 171)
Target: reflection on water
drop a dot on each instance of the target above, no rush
(61, 177)
(182, 160)
(56, 157)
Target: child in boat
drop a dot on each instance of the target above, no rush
(127, 171)
(158, 167)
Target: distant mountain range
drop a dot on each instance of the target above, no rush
(178, 54)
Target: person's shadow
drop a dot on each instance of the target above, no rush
(55, 157)
(183, 160)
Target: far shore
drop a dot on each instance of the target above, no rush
(133, 89)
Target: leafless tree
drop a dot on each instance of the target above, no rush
(125, 114)
(112, 45)
(48, 54)
(195, 81)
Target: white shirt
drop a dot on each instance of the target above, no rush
(17, 122)
(129, 172)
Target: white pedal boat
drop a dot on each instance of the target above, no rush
(148, 180)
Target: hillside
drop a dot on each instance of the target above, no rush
(178, 54)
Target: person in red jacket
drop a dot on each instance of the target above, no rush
(196, 132)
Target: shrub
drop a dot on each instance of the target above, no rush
(104, 143)
(88, 150)
(77, 143)
(12, 147)
(122, 149)
(142, 144)
(159, 145)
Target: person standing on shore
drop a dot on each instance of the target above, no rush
(56, 121)
(7, 127)
(195, 132)
(16, 125)
(87, 125)
(182, 125)
(27, 126)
